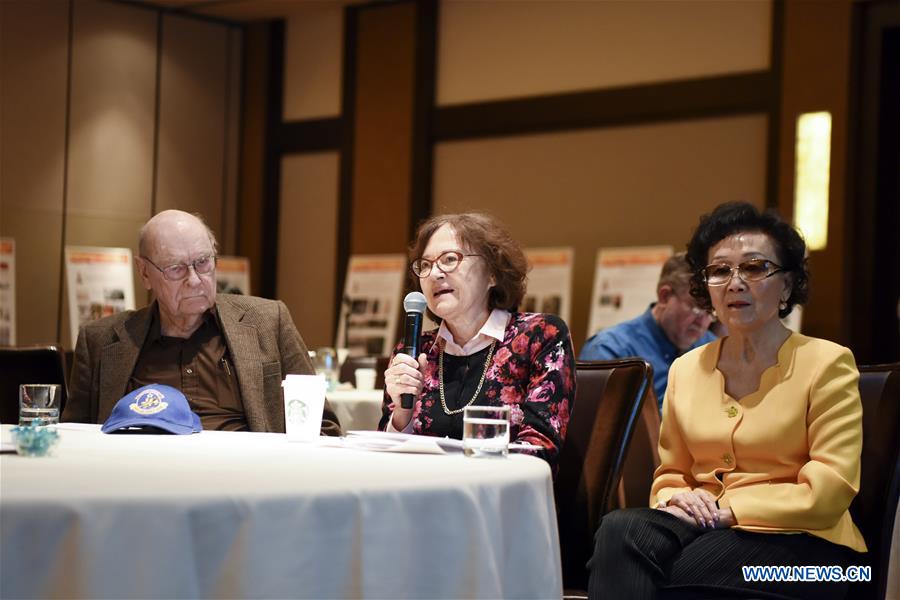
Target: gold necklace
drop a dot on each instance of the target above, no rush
(487, 364)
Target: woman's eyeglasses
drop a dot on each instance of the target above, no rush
(751, 270)
(202, 266)
(447, 262)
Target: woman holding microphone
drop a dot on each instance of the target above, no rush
(484, 352)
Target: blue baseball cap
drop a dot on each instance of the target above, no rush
(150, 408)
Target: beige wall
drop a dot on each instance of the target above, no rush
(307, 243)
(313, 54)
(111, 129)
(492, 50)
(621, 186)
(32, 158)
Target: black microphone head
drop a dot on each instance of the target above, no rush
(414, 302)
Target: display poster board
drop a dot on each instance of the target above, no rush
(100, 283)
(624, 283)
(7, 292)
(233, 275)
(372, 304)
(549, 281)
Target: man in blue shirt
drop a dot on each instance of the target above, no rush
(667, 329)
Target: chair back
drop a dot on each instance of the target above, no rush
(875, 507)
(32, 364)
(642, 457)
(608, 399)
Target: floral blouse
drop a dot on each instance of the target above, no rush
(532, 371)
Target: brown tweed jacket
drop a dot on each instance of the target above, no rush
(261, 337)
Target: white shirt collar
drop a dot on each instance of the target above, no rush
(494, 328)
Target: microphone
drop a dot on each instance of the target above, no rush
(414, 305)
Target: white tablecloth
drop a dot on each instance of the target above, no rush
(222, 514)
(357, 409)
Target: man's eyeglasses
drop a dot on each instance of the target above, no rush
(202, 266)
(447, 262)
(751, 270)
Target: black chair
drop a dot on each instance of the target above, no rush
(608, 400)
(32, 364)
(875, 506)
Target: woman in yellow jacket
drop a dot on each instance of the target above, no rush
(760, 441)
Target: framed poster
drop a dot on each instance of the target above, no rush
(371, 305)
(7, 292)
(624, 283)
(549, 281)
(233, 275)
(100, 283)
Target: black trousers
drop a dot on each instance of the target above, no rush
(642, 553)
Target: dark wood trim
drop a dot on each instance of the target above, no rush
(181, 11)
(272, 173)
(226, 128)
(241, 108)
(157, 103)
(688, 99)
(852, 188)
(421, 192)
(873, 252)
(348, 122)
(61, 299)
(310, 135)
(773, 134)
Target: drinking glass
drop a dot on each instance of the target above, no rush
(486, 431)
(39, 401)
(326, 364)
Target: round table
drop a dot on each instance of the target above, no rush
(221, 514)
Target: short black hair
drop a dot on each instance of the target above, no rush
(737, 217)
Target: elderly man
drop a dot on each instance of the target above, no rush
(227, 354)
(667, 329)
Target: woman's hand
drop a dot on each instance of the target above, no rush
(726, 518)
(404, 376)
(700, 505)
(674, 510)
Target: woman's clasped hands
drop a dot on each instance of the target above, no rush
(699, 507)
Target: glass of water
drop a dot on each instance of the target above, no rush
(39, 401)
(326, 364)
(486, 431)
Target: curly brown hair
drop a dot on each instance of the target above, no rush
(484, 235)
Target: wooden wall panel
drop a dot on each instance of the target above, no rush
(193, 87)
(382, 153)
(625, 186)
(110, 130)
(77, 152)
(33, 79)
(254, 86)
(816, 77)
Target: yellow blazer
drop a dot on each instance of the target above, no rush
(787, 454)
